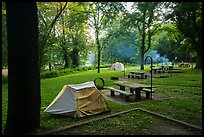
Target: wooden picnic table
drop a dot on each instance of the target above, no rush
(157, 70)
(138, 74)
(184, 64)
(135, 88)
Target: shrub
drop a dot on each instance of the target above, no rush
(49, 74)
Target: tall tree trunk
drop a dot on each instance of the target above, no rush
(142, 51)
(199, 51)
(23, 114)
(75, 57)
(143, 41)
(99, 60)
(142, 61)
(50, 66)
(199, 59)
(66, 65)
(99, 50)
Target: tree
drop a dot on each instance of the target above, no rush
(67, 42)
(77, 27)
(47, 22)
(167, 41)
(147, 17)
(23, 114)
(4, 37)
(119, 44)
(188, 17)
(102, 15)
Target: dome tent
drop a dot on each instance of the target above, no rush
(117, 66)
(78, 100)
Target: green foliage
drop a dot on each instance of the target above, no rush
(120, 44)
(146, 18)
(56, 73)
(63, 35)
(4, 79)
(4, 37)
(120, 49)
(167, 41)
(101, 17)
(49, 74)
(188, 18)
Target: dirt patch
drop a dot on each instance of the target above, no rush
(171, 130)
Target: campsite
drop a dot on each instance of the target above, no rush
(102, 68)
(180, 100)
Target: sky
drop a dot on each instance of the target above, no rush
(129, 4)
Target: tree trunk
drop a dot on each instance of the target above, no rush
(199, 51)
(50, 66)
(99, 50)
(23, 114)
(142, 51)
(199, 59)
(75, 57)
(142, 61)
(99, 59)
(66, 65)
(143, 41)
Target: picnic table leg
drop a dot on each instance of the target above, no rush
(137, 94)
(147, 95)
(131, 90)
(142, 76)
(122, 88)
(112, 93)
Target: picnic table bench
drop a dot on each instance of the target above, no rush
(122, 92)
(167, 68)
(148, 92)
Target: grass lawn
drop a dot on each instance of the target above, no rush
(187, 108)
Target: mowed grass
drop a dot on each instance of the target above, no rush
(188, 108)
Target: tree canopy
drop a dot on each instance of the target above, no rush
(70, 32)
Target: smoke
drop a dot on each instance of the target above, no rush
(91, 59)
(130, 53)
(126, 52)
(157, 58)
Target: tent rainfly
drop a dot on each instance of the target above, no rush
(117, 66)
(78, 100)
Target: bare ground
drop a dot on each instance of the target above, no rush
(155, 96)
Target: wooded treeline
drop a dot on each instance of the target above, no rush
(70, 31)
